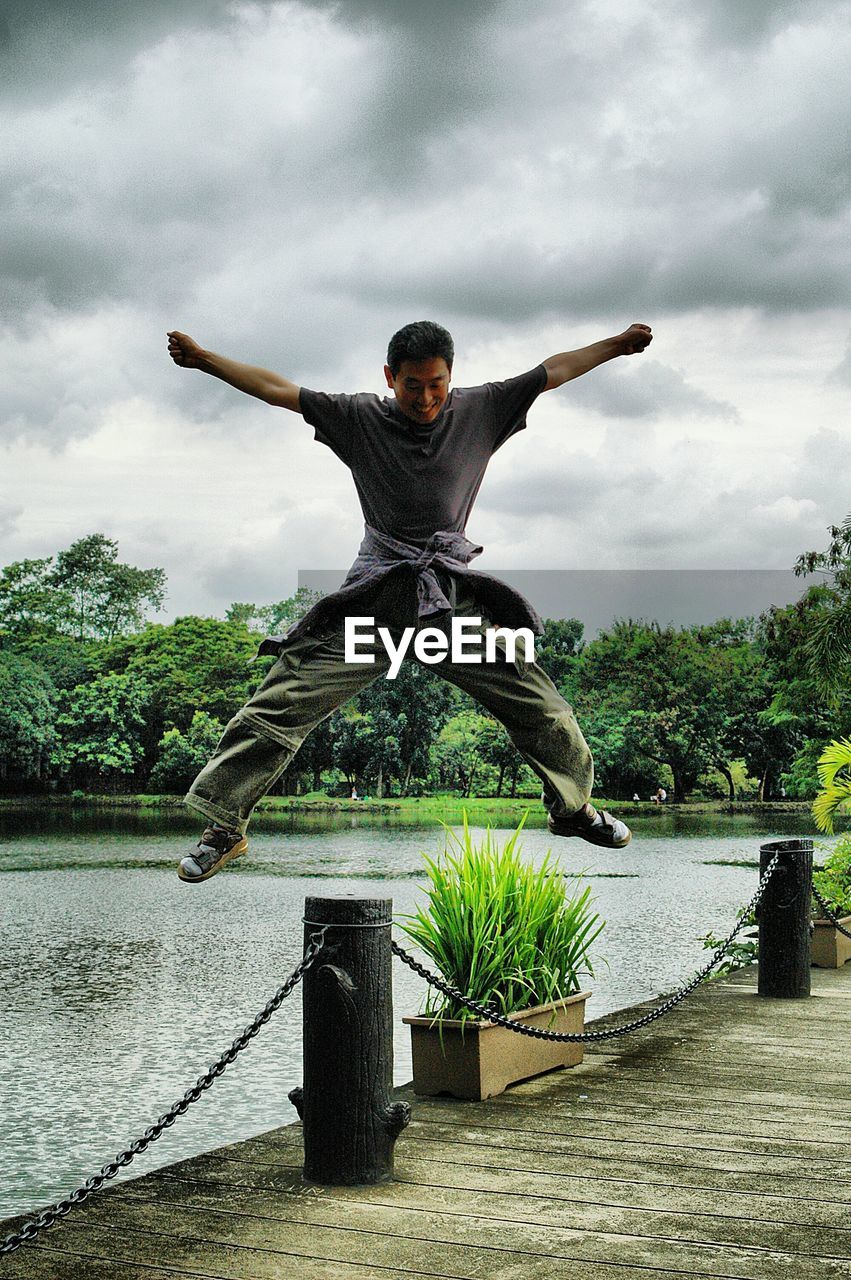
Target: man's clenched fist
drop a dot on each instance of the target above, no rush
(184, 350)
(635, 338)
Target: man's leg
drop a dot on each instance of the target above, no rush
(539, 722)
(542, 726)
(309, 681)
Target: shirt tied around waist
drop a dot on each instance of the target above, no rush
(380, 554)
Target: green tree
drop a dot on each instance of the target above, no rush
(99, 730)
(106, 597)
(32, 606)
(737, 670)
(195, 664)
(353, 743)
(668, 691)
(621, 768)
(274, 619)
(801, 708)
(182, 756)
(66, 661)
(558, 648)
(36, 618)
(457, 753)
(762, 735)
(828, 644)
(314, 755)
(27, 714)
(407, 714)
(496, 749)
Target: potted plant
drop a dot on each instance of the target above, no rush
(830, 949)
(514, 937)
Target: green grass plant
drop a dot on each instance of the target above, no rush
(505, 932)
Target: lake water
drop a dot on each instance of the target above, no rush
(120, 984)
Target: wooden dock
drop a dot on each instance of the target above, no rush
(716, 1142)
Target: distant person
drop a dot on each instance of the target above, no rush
(354, 793)
(660, 796)
(636, 796)
(417, 460)
(782, 792)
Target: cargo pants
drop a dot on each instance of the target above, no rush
(311, 679)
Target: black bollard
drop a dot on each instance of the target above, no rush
(350, 1124)
(784, 920)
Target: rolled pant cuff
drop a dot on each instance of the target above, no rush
(564, 805)
(214, 811)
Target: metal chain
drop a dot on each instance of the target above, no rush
(52, 1215)
(827, 911)
(539, 1033)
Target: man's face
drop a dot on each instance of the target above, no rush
(421, 387)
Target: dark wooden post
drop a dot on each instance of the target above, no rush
(350, 1124)
(784, 920)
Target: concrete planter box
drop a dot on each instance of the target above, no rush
(830, 949)
(483, 1059)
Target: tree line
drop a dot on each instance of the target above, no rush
(94, 696)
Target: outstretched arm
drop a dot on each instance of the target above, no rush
(261, 383)
(571, 364)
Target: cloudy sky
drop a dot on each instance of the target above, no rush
(291, 181)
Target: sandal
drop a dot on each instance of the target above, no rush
(215, 848)
(595, 826)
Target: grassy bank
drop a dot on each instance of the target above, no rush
(420, 807)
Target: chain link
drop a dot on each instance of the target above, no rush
(59, 1210)
(540, 1033)
(829, 913)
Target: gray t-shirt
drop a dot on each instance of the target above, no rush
(414, 480)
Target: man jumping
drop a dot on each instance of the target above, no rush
(417, 461)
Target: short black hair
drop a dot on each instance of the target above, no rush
(422, 340)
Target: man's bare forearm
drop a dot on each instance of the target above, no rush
(572, 364)
(264, 384)
(254, 381)
(566, 365)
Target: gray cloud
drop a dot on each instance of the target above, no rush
(640, 503)
(649, 390)
(732, 23)
(500, 148)
(290, 182)
(47, 45)
(842, 372)
(10, 514)
(823, 468)
(568, 490)
(402, 146)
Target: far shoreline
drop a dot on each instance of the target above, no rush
(425, 806)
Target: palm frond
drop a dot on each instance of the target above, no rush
(828, 803)
(834, 773)
(836, 756)
(828, 648)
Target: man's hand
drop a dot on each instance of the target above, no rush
(184, 350)
(635, 339)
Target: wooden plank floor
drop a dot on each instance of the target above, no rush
(716, 1142)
